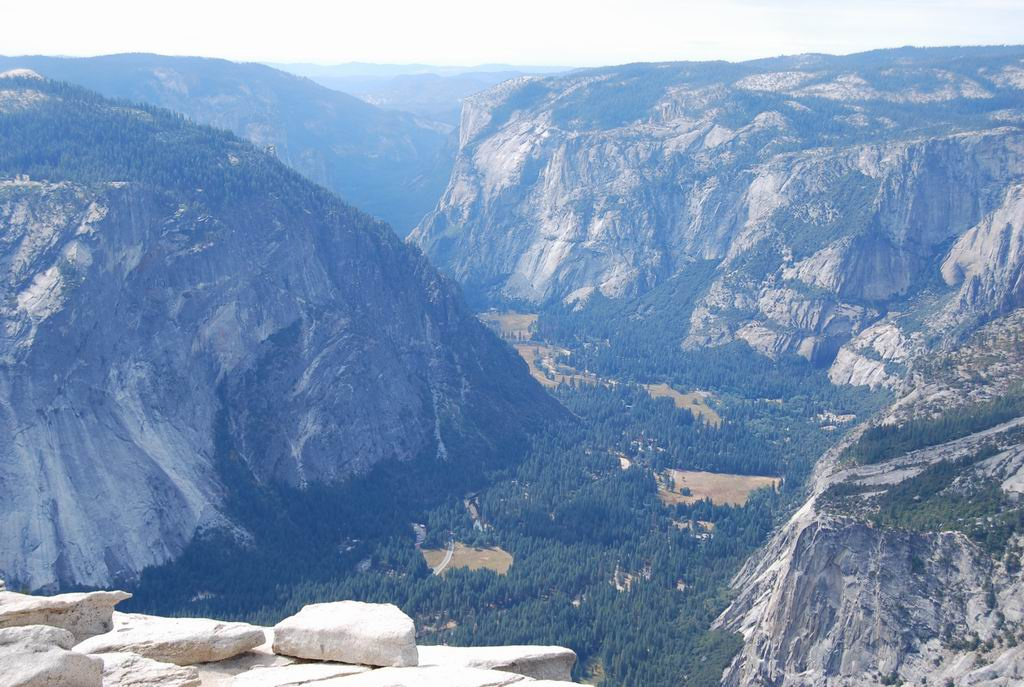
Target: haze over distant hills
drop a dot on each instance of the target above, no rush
(390, 164)
(431, 91)
(377, 70)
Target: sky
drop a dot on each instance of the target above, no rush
(524, 32)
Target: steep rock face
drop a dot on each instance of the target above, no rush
(840, 597)
(832, 600)
(891, 211)
(828, 189)
(852, 605)
(988, 261)
(390, 164)
(205, 304)
(874, 357)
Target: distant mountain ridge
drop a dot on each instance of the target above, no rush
(185, 320)
(390, 164)
(426, 90)
(831, 193)
(377, 69)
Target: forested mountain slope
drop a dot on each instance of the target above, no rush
(390, 164)
(834, 199)
(188, 325)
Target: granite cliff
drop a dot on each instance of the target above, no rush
(832, 194)
(174, 301)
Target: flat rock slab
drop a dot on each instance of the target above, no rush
(37, 637)
(349, 632)
(429, 676)
(83, 615)
(38, 656)
(295, 675)
(182, 641)
(538, 662)
(222, 673)
(131, 670)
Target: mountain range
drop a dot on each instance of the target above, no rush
(435, 92)
(829, 193)
(805, 272)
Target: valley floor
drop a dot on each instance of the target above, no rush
(634, 513)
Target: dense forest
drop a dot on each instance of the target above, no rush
(883, 442)
(600, 563)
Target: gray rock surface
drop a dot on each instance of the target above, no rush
(987, 262)
(1007, 670)
(349, 632)
(432, 676)
(351, 641)
(295, 675)
(181, 641)
(538, 662)
(39, 656)
(82, 614)
(222, 673)
(132, 670)
(836, 600)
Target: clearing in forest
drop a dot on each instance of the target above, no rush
(723, 489)
(515, 326)
(543, 361)
(471, 557)
(695, 401)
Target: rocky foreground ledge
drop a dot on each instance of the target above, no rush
(79, 640)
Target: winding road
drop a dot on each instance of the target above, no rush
(447, 558)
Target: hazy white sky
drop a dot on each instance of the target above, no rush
(466, 32)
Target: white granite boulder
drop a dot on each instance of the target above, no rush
(39, 656)
(295, 675)
(182, 641)
(538, 662)
(83, 615)
(123, 669)
(349, 632)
